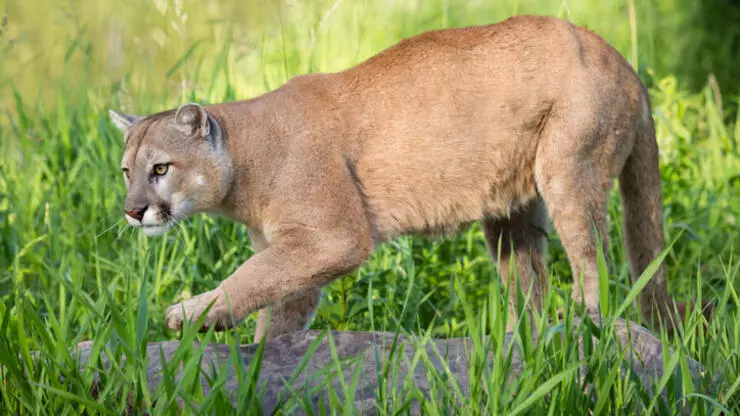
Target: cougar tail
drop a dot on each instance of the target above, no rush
(639, 185)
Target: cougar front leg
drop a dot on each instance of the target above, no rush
(299, 260)
(289, 315)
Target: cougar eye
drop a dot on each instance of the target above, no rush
(125, 172)
(161, 169)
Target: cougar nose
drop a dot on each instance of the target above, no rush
(136, 213)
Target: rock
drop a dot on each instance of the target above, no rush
(282, 356)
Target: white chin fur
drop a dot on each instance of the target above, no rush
(154, 230)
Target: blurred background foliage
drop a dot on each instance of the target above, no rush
(162, 48)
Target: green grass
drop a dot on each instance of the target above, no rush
(69, 271)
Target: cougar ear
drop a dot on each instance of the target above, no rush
(124, 122)
(192, 119)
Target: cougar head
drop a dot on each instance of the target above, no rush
(174, 164)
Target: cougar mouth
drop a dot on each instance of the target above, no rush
(154, 221)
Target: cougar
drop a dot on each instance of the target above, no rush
(508, 124)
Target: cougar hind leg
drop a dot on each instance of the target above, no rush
(523, 238)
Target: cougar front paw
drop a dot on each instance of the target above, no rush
(219, 316)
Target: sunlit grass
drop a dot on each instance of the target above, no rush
(71, 271)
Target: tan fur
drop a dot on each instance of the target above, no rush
(505, 124)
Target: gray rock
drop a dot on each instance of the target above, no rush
(282, 356)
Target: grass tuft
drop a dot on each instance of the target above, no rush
(71, 271)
